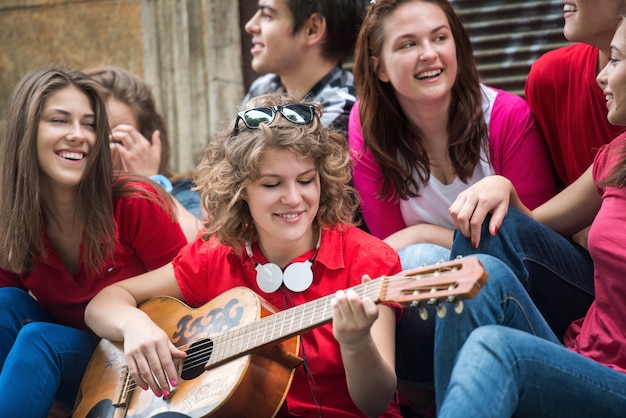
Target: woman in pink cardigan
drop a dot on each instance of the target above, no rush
(432, 128)
(424, 130)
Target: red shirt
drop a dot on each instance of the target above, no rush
(204, 271)
(569, 108)
(146, 238)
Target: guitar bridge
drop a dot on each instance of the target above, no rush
(124, 389)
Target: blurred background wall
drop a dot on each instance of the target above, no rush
(188, 50)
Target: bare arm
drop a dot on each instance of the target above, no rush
(567, 213)
(573, 209)
(366, 334)
(188, 222)
(113, 314)
(421, 233)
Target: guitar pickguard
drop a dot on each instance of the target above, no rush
(215, 321)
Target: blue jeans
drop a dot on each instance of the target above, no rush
(557, 273)
(39, 361)
(190, 199)
(500, 358)
(415, 337)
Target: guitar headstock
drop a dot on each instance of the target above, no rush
(449, 281)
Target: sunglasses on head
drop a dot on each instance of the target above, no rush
(298, 113)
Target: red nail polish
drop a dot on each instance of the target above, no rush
(474, 246)
(496, 231)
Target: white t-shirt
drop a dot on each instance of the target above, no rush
(431, 206)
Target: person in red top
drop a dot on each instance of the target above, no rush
(68, 228)
(275, 186)
(562, 92)
(499, 358)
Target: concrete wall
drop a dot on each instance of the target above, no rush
(188, 50)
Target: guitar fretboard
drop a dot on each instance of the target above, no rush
(281, 325)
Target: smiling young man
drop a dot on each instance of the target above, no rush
(299, 46)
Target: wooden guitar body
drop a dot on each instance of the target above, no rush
(241, 352)
(252, 385)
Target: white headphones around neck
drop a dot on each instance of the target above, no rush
(297, 277)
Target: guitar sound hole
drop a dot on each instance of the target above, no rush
(197, 356)
(102, 409)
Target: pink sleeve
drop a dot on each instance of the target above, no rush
(383, 218)
(607, 157)
(518, 151)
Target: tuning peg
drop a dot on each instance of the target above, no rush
(442, 311)
(423, 313)
(458, 306)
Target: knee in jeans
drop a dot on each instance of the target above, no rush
(416, 255)
(488, 339)
(495, 268)
(33, 332)
(11, 295)
(19, 304)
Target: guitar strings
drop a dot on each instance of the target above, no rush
(190, 362)
(241, 336)
(236, 341)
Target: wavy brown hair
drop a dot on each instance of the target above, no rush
(388, 132)
(231, 163)
(22, 210)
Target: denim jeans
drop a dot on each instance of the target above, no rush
(190, 199)
(557, 273)
(415, 336)
(39, 360)
(500, 358)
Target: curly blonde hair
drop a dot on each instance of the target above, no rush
(231, 163)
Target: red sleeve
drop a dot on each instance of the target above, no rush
(369, 255)
(155, 245)
(190, 269)
(563, 82)
(8, 279)
(607, 158)
(518, 150)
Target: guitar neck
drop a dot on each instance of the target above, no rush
(281, 325)
(448, 281)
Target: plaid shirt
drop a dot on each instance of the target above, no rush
(335, 92)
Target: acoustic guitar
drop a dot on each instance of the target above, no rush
(241, 353)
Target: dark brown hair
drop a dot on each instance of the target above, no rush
(22, 215)
(386, 129)
(22, 211)
(343, 20)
